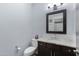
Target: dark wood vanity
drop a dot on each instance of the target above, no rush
(50, 49)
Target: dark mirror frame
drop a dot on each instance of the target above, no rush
(64, 22)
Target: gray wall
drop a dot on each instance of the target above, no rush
(39, 20)
(15, 27)
(77, 25)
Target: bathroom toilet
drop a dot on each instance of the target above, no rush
(30, 50)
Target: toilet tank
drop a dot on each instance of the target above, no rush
(34, 42)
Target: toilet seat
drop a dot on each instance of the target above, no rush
(29, 51)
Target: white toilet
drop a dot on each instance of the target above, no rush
(30, 50)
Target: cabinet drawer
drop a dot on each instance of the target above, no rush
(42, 43)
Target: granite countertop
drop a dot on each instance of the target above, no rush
(64, 42)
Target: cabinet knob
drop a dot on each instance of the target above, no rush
(69, 50)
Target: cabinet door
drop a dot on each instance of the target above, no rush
(43, 50)
(68, 51)
(63, 51)
(58, 51)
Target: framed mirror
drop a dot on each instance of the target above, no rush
(56, 22)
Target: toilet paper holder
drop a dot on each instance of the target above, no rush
(17, 48)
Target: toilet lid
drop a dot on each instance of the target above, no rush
(29, 49)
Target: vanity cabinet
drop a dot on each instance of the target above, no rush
(49, 49)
